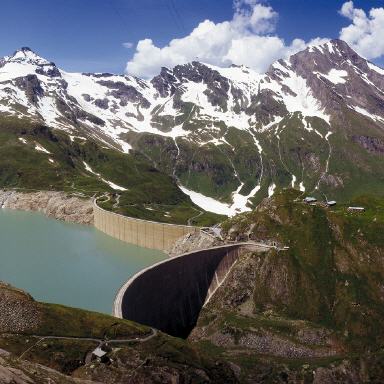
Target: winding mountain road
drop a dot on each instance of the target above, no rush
(99, 341)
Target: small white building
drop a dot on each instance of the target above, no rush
(98, 352)
(356, 209)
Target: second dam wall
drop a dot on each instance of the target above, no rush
(169, 295)
(147, 234)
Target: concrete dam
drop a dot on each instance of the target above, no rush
(170, 295)
(144, 233)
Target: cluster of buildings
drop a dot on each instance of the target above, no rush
(330, 203)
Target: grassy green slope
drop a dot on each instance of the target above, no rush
(287, 149)
(316, 304)
(23, 167)
(159, 356)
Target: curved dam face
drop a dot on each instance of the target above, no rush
(169, 295)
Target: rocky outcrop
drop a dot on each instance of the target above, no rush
(58, 205)
(371, 144)
(14, 371)
(193, 242)
(18, 311)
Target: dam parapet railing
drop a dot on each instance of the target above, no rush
(170, 294)
(144, 233)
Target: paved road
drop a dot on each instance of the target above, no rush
(99, 341)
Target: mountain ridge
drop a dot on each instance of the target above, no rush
(194, 121)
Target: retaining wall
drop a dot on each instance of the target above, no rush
(169, 295)
(147, 234)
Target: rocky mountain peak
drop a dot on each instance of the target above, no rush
(25, 50)
(334, 54)
(333, 46)
(26, 55)
(25, 62)
(291, 114)
(165, 82)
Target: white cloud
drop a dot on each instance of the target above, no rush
(366, 33)
(246, 39)
(254, 17)
(347, 9)
(128, 45)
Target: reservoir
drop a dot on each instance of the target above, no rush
(66, 263)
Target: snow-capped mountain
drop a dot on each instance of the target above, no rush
(230, 136)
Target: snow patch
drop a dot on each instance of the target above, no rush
(40, 148)
(110, 183)
(302, 100)
(330, 47)
(364, 112)
(125, 146)
(306, 124)
(114, 186)
(212, 205)
(276, 120)
(335, 76)
(375, 68)
(271, 189)
(207, 203)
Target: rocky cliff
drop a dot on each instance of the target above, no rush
(59, 205)
(193, 242)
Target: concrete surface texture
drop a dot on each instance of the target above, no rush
(169, 295)
(147, 234)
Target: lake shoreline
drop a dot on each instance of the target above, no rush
(66, 263)
(54, 204)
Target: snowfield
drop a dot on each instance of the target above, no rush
(113, 108)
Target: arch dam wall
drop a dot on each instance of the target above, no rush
(170, 295)
(147, 234)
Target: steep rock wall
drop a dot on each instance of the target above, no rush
(58, 205)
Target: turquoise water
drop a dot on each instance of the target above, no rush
(66, 263)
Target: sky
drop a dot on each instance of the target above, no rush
(139, 37)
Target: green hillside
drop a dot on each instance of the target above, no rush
(318, 303)
(45, 340)
(24, 167)
(287, 150)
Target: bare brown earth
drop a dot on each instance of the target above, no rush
(59, 205)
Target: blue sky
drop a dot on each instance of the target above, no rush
(88, 35)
